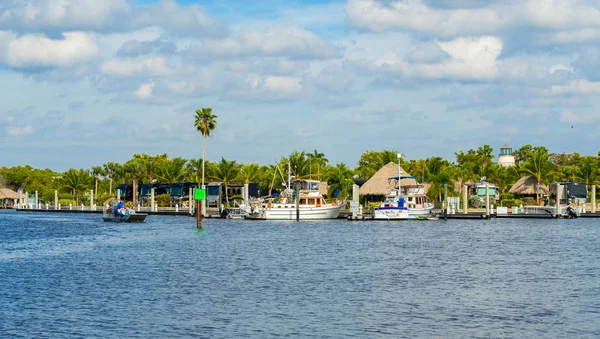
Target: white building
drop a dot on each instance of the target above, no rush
(506, 158)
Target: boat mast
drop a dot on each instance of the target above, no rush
(289, 175)
(399, 172)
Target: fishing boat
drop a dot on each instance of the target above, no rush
(310, 204)
(404, 202)
(110, 215)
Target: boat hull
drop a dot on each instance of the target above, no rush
(289, 213)
(138, 217)
(420, 212)
(393, 214)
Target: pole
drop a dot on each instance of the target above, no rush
(465, 200)
(152, 199)
(203, 202)
(445, 203)
(593, 199)
(558, 196)
(487, 199)
(190, 204)
(199, 214)
(55, 199)
(297, 203)
(399, 175)
(36, 200)
(91, 199)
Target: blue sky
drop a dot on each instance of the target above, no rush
(87, 81)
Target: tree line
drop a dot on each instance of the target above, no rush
(469, 166)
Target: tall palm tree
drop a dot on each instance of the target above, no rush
(111, 168)
(205, 123)
(97, 171)
(76, 181)
(225, 172)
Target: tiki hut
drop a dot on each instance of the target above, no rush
(379, 183)
(529, 186)
(7, 197)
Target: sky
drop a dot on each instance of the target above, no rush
(85, 82)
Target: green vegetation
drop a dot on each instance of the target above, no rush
(468, 167)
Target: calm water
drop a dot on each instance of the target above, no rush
(67, 275)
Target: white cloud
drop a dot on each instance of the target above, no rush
(581, 86)
(572, 37)
(563, 14)
(189, 21)
(10, 119)
(20, 131)
(36, 50)
(153, 66)
(36, 15)
(415, 15)
(470, 58)
(289, 41)
(145, 91)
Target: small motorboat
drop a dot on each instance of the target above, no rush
(124, 215)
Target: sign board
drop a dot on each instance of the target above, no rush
(353, 209)
(199, 194)
(354, 204)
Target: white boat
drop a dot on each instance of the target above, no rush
(311, 205)
(404, 203)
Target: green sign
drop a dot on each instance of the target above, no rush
(199, 194)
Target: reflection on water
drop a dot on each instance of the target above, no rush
(72, 275)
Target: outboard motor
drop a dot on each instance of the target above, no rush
(224, 213)
(571, 212)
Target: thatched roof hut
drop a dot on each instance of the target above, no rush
(527, 186)
(379, 183)
(7, 193)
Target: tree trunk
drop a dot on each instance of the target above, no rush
(203, 142)
(96, 191)
(226, 192)
(134, 194)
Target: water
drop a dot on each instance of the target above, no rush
(67, 275)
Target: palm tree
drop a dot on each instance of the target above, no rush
(319, 160)
(249, 173)
(135, 168)
(205, 123)
(588, 171)
(195, 166)
(298, 164)
(111, 168)
(175, 170)
(76, 181)
(339, 177)
(225, 172)
(97, 171)
(537, 164)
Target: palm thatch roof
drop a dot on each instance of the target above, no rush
(527, 186)
(379, 183)
(7, 193)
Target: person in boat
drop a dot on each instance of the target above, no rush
(120, 208)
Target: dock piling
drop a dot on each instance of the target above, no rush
(593, 199)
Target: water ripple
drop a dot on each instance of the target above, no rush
(75, 276)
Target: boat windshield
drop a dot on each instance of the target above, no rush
(176, 190)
